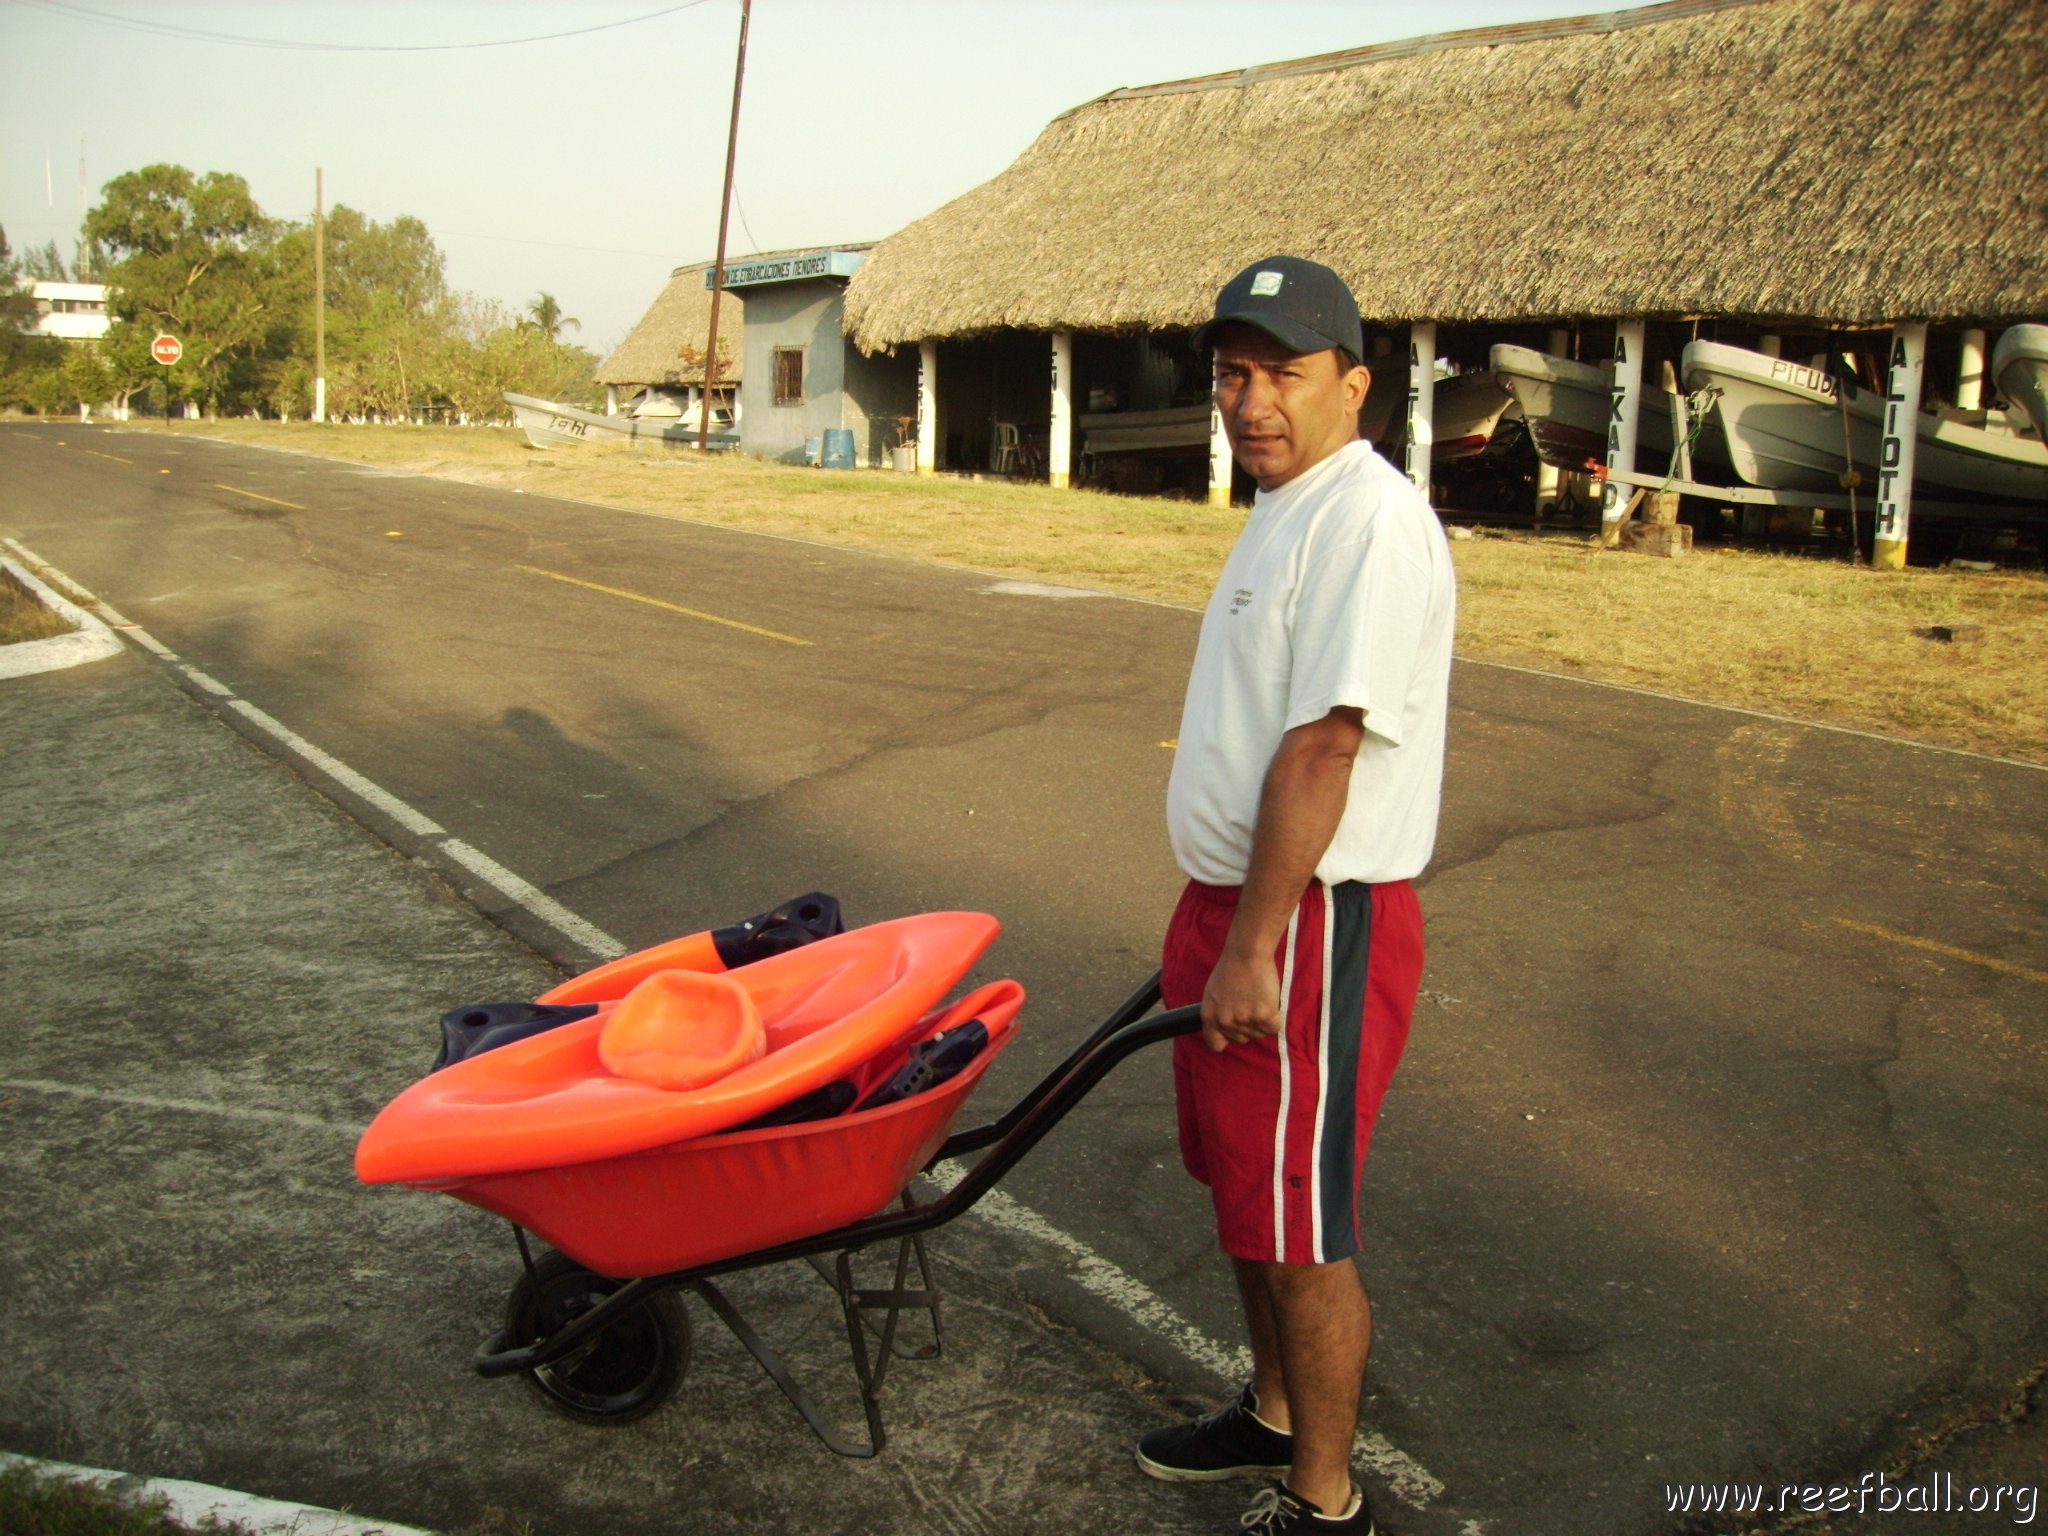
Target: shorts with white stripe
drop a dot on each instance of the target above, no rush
(1280, 1137)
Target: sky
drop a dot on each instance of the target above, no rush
(589, 165)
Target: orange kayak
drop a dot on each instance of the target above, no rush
(552, 1101)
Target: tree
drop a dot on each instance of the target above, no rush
(545, 316)
(44, 265)
(194, 256)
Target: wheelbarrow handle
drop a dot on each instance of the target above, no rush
(1133, 1008)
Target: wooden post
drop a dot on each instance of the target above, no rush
(1896, 453)
(1220, 460)
(1421, 400)
(1770, 344)
(1970, 372)
(927, 407)
(1059, 449)
(1623, 414)
(732, 142)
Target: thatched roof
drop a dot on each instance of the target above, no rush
(1852, 162)
(680, 318)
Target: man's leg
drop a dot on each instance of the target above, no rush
(1311, 1331)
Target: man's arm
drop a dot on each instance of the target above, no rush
(1300, 804)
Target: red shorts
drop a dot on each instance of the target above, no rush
(1281, 1141)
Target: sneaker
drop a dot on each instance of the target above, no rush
(1233, 1442)
(1281, 1510)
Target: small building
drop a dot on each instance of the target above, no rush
(71, 311)
(802, 377)
(660, 364)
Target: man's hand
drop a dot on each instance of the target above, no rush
(1241, 1002)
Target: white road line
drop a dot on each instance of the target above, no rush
(1406, 1476)
(522, 893)
(184, 1106)
(535, 900)
(340, 772)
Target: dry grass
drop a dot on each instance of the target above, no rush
(1808, 638)
(23, 616)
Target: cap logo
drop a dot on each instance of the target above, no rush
(1265, 285)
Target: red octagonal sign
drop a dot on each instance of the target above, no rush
(167, 350)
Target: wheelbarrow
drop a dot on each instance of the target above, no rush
(723, 1102)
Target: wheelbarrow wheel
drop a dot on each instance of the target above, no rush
(625, 1371)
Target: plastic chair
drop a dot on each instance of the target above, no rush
(1002, 453)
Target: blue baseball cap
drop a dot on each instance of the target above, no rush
(1301, 304)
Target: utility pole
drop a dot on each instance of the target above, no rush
(319, 296)
(732, 139)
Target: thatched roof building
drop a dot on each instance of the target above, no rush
(679, 320)
(1845, 162)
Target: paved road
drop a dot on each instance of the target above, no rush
(1720, 1152)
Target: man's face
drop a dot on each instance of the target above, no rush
(1283, 411)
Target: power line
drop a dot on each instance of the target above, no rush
(197, 34)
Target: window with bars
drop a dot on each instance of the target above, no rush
(789, 375)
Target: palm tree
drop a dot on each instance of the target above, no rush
(546, 316)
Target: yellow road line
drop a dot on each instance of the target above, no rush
(258, 495)
(1990, 962)
(655, 602)
(114, 456)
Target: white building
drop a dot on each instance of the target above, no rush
(72, 311)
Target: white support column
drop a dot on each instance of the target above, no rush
(1220, 460)
(1059, 448)
(611, 399)
(1895, 454)
(1421, 400)
(319, 399)
(1624, 411)
(927, 407)
(1970, 372)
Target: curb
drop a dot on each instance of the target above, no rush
(90, 639)
(194, 1504)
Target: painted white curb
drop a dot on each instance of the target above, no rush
(89, 640)
(193, 1503)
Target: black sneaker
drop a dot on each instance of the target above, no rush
(1232, 1442)
(1281, 1510)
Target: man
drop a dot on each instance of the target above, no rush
(1303, 801)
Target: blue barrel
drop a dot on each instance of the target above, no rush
(814, 450)
(839, 447)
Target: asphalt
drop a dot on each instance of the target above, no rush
(215, 979)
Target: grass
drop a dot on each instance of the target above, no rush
(1813, 639)
(23, 616)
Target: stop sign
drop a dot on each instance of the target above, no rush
(167, 350)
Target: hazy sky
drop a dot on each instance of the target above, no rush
(589, 165)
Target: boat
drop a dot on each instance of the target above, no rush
(2019, 368)
(1566, 405)
(1464, 411)
(550, 424)
(1790, 427)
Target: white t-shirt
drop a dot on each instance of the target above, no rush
(1339, 591)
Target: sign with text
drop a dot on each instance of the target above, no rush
(789, 269)
(167, 350)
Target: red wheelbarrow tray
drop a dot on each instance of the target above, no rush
(630, 1179)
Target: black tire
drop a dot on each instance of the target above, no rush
(629, 1369)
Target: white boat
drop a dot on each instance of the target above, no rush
(2019, 367)
(1790, 428)
(550, 424)
(1566, 404)
(1464, 410)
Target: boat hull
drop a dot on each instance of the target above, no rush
(2019, 367)
(550, 424)
(1566, 404)
(1790, 428)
